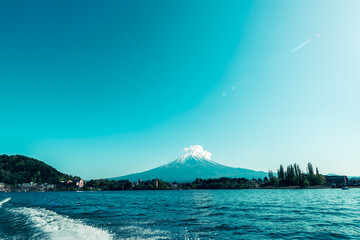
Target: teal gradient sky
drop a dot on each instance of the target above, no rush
(103, 89)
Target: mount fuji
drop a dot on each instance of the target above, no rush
(195, 163)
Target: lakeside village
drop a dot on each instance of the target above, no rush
(291, 177)
(43, 187)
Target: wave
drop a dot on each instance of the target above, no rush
(139, 233)
(4, 201)
(56, 227)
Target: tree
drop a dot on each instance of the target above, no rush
(305, 183)
(310, 169)
(266, 180)
(271, 175)
(281, 172)
(275, 182)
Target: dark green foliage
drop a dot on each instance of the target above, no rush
(271, 175)
(218, 183)
(305, 183)
(293, 176)
(103, 184)
(316, 179)
(266, 180)
(222, 183)
(106, 184)
(281, 172)
(18, 169)
(310, 169)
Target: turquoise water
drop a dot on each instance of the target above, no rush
(194, 214)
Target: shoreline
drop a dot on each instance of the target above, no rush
(310, 187)
(260, 188)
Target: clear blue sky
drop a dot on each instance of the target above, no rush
(102, 89)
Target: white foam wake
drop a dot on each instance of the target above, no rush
(140, 233)
(56, 226)
(4, 201)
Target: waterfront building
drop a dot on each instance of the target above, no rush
(155, 182)
(337, 180)
(28, 186)
(80, 183)
(50, 186)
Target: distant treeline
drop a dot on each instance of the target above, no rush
(157, 184)
(106, 184)
(293, 176)
(222, 183)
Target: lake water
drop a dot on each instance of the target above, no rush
(193, 214)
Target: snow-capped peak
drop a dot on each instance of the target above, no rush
(194, 154)
(193, 160)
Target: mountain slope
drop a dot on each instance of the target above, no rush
(190, 167)
(17, 169)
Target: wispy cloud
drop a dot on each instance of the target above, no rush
(304, 43)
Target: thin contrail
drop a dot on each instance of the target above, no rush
(304, 43)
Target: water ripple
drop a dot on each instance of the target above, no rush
(203, 214)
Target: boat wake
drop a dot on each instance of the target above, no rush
(138, 233)
(56, 227)
(4, 201)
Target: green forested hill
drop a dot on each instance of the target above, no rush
(17, 169)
